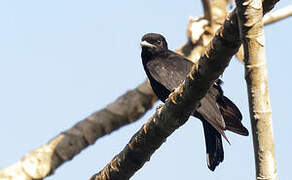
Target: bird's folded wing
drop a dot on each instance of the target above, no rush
(170, 71)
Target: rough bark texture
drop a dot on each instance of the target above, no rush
(42, 162)
(268, 19)
(46, 160)
(179, 106)
(250, 15)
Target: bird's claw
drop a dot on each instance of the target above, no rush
(191, 76)
(173, 98)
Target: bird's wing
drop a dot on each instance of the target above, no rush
(172, 70)
(169, 71)
(210, 111)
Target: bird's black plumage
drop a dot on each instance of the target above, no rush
(166, 70)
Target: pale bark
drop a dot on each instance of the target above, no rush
(179, 106)
(278, 15)
(200, 31)
(250, 15)
(207, 11)
(44, 160)
(268, 19)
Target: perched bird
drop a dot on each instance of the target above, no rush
(166, 70)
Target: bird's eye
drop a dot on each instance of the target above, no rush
(159, 42)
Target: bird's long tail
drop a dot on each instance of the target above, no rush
(214, 148)
(218, 114)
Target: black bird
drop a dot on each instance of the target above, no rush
(166, 70)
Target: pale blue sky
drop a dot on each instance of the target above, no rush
(62, 60)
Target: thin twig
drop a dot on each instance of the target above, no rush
(278, 15)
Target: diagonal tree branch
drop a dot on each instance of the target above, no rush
(251, 30)
(43, 161)
(174, 114)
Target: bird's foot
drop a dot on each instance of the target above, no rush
(173, 97)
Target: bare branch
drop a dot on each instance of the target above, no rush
(250, 15)
(200, 33)
(278, 15)
(207, 11)
(269, 19)
(172, 114)
(43, 161)
(114, 116)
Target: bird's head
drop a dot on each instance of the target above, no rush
(153, 43)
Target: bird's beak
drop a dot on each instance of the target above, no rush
(147, 44)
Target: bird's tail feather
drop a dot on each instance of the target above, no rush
(231, 116)
(214, 147)
(218, 114)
